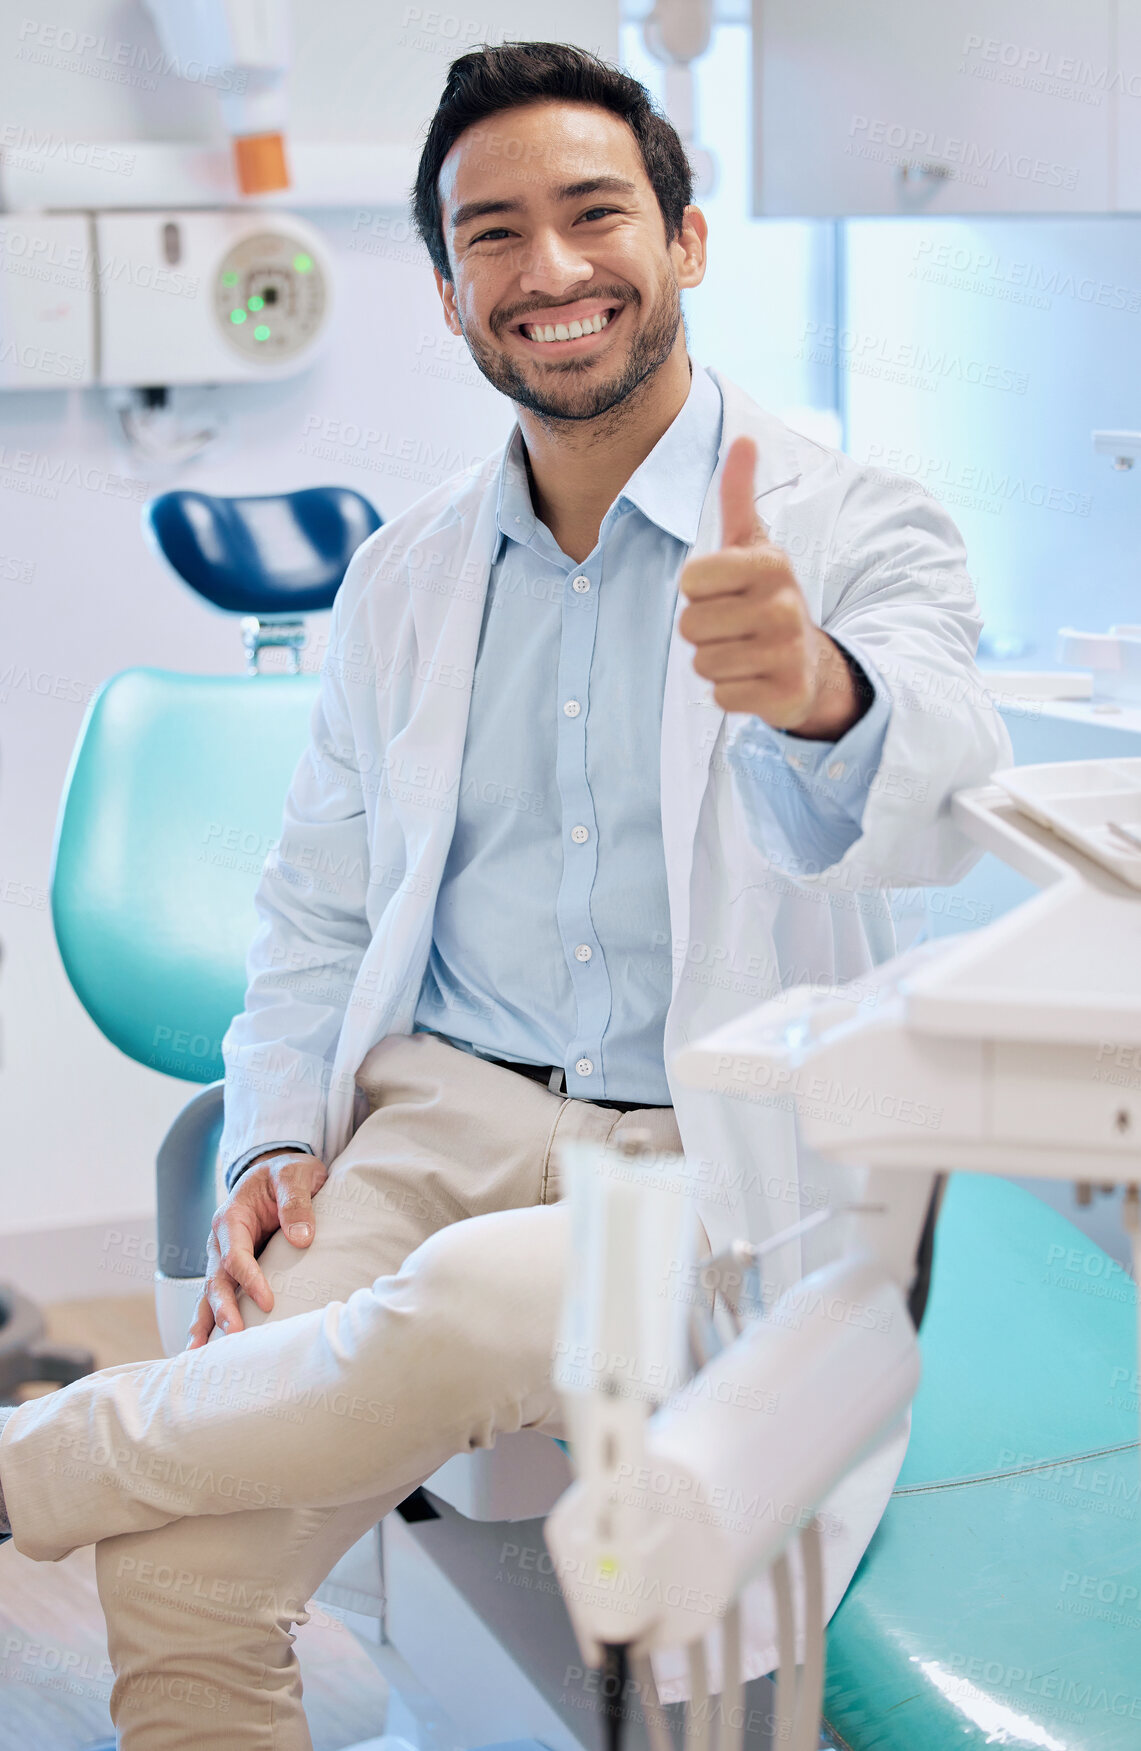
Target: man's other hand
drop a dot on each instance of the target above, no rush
(275, 1191)
(754, 636)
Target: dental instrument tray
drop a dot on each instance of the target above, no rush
(1093, 804)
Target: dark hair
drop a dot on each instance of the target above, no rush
(509, 75)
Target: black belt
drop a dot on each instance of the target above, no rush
(545, 1073)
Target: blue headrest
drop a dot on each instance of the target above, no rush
(284, 553)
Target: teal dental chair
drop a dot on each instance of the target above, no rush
(173, 799)
(172, 802)
(998, 1602)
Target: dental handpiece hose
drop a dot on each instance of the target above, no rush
(614, 1668)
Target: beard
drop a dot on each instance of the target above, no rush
(572, 392)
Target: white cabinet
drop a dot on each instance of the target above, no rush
(1127, 100)
(974, 106)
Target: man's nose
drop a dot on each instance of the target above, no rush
(550, 264)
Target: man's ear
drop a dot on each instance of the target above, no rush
(447, 292)
(688, 248)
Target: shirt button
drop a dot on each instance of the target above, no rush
(582, 585)
(580, 835)
(837, 769)
(796, 762)
(572, 708)
(585, 1066)
(583, 952)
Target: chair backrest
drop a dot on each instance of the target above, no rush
(173, 800)
(284, 553)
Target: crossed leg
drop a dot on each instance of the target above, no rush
(222, 1485)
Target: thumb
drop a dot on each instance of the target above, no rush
(740, 524)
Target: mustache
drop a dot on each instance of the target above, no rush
(519, 312)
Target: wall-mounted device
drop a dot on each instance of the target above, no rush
(160, 298)
(1124, 447)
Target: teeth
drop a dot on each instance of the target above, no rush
(567, 331)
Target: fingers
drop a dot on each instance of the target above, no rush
(782, 703)
(277, 1193)
(231, 1265)
(201, 1325)
(734, 570)
(743, 659)
(295, 1179)
(740, 524)
(775, 614)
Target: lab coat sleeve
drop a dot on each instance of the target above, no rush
(235, 1172)
(898, 596)
(814, 792)
(311, 935)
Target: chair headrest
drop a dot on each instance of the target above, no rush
(283, 553)
(172, 803)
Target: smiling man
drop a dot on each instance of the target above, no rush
(654, 710)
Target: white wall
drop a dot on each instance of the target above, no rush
(391, 410)
(979, 356)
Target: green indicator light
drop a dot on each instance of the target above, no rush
(261, 332)
(237, 316)
(255, 303)
(303, 264)
(229, 279)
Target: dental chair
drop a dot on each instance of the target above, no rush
(989, 1604)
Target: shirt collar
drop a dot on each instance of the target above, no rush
(669, 487)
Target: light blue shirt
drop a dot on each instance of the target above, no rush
(551, 937)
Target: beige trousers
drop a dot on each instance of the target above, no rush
(222, 1484)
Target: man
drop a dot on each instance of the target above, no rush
(558, 817)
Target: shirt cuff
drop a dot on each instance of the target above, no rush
(237, 1168)
(813, 792)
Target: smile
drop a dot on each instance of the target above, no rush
(568, 327)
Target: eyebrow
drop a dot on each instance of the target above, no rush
(570, 191)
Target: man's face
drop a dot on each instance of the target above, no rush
(553, 228)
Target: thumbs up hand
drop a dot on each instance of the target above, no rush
(749, 623)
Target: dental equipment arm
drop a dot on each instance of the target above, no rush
(693, 1481)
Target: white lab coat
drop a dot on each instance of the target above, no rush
(347, 898)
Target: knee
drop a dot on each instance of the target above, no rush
(488, 1281)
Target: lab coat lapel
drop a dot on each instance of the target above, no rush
(430, 739)
(447, 624)
(692, 722)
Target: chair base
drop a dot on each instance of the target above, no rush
(176, 1302)
(25, 1355)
